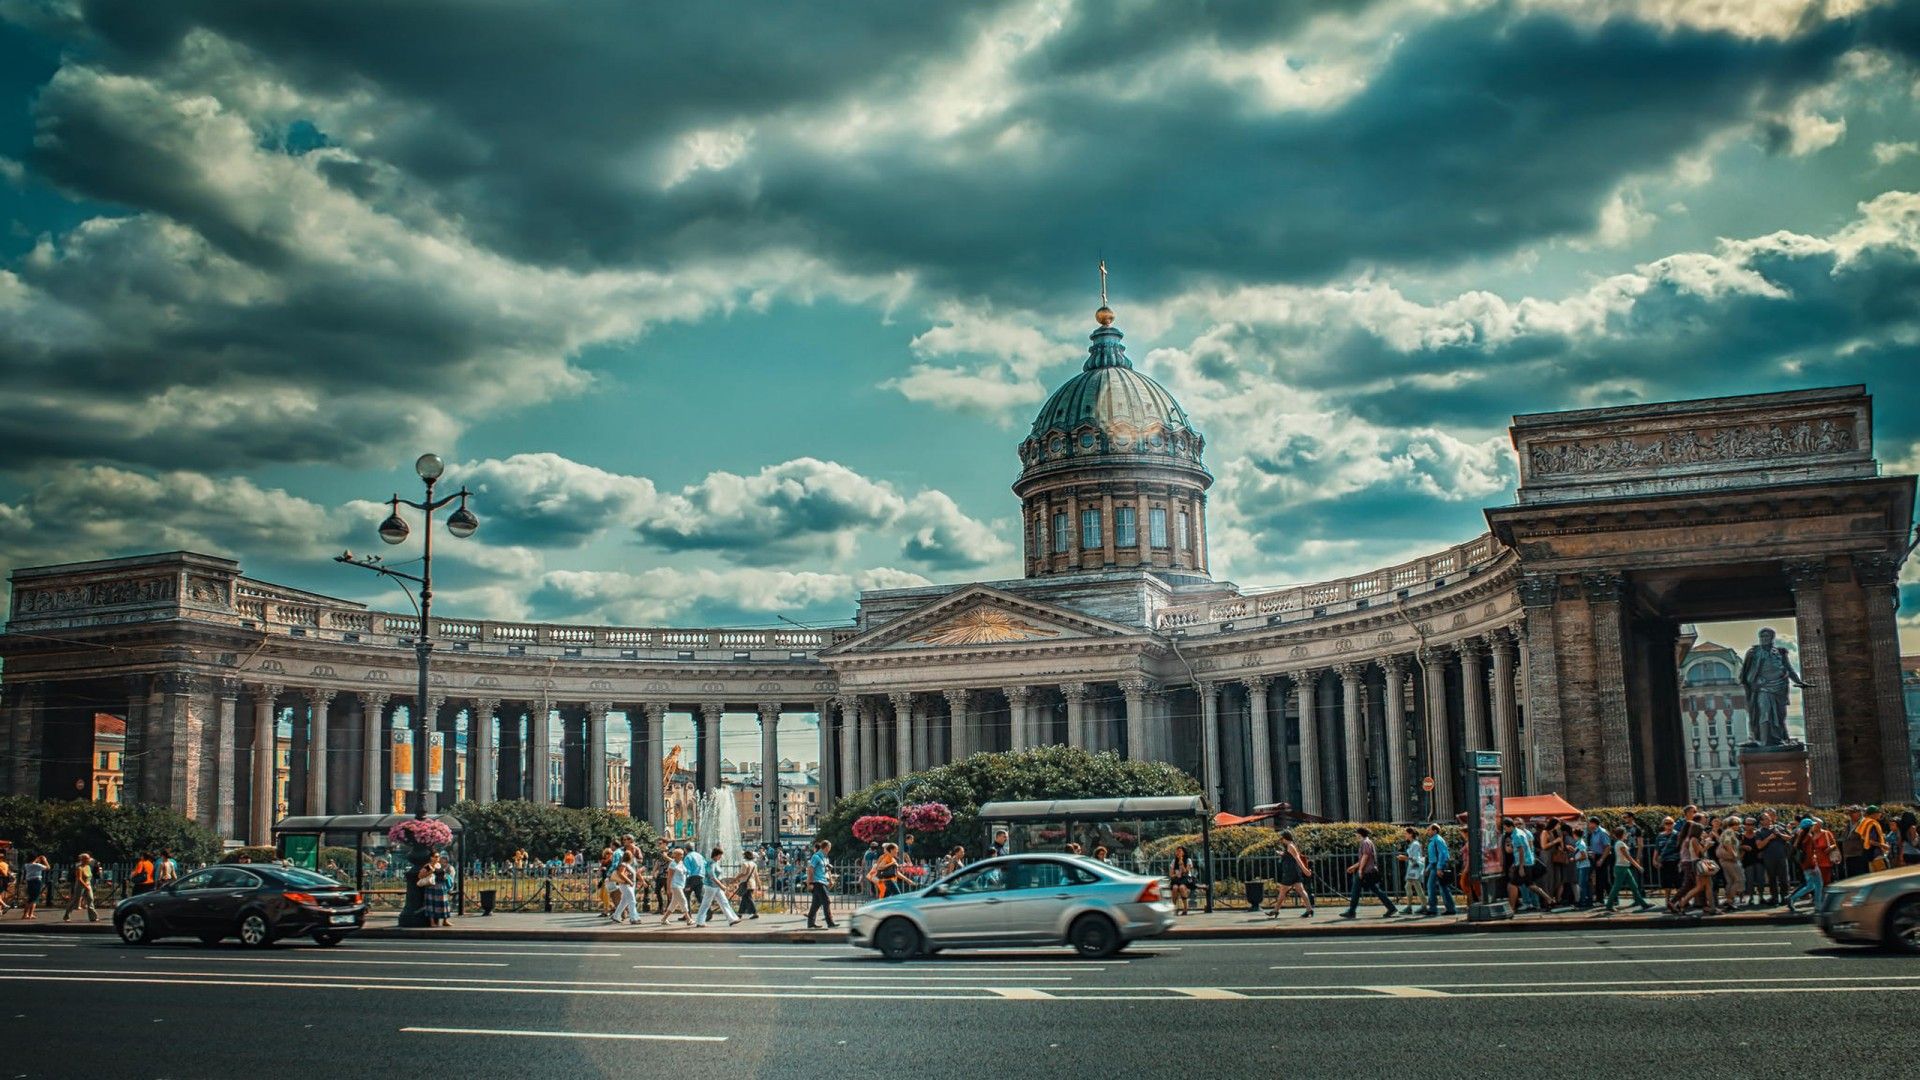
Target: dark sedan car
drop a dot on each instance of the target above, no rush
(256, 903)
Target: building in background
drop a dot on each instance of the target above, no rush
(1910, 693)
(109, 753)
(1713, 711)
(619, 783)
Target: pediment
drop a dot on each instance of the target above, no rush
(980, 617)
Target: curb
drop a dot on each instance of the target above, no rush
(1376, 926)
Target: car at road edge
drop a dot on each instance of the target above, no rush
(258, 903)
(1018, 900)
(1881, 908)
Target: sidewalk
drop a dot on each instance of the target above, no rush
(792, 929)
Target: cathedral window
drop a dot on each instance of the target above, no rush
(1182, 533)
(1090, 529)
(1060, 531)
(1124, 531)
(1157, 526)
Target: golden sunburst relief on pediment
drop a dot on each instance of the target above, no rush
(982, 626)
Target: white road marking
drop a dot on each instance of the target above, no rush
(214, 958)
(814, 993)
(1002, 969)
(1407, 991)
(1208, 993)
(1562, 963)
(1549, 948)
(358, 949)
(1020, 993)
(932, 977)
(634, 1035)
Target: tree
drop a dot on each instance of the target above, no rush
(494, 831)
(111, 833)
(1049, 772)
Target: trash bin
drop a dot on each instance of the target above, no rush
(1256, 892)
(486, 900)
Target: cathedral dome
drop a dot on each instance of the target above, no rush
(1108, 411)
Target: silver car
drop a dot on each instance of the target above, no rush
(1018, 900)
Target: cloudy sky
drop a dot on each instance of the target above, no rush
(734, 313)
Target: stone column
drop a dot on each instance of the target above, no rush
(510, 778)
(848, 708)
(1074, 559)
(1433, 672)
(902, 732)
(373, 744)
(1210, 740)
(1260, 739)
(1106, 529)
(770, 772)
(1305, 683)
(655, 757)
(1393, 705)
(27, 735)
(448, 725)
(961, 732)
(181, 751)
(828, 776)
(1136, 689)
(539, 766)
(260, 822)
(869, 741)
(319, 745)
(133, 760)
(1019, 699)
(483, 777)
(1606, 602)
(1879, 577)
(1506, 720)
(597, 753)
(1076, 698)
(1547, 747)
(710, 755)
(223, 742)
(1473, 692)
(1355, 725)
(1808, 582)
(1142, 531)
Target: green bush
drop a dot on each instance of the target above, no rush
(493, 831)
(1048, 772)
(111, 833)
(249, 854)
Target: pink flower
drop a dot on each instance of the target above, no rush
(425, 832)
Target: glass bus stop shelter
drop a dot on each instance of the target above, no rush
(1121, 826)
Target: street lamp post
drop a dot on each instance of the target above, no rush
(461, 523)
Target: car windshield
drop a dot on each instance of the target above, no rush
(294, 875)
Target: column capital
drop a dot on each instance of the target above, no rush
(434, 704)
(1307, 677)
(598, 710)
(1349, 671)
(655, 711)
(1805, 574)
(901, 700)
(1017, 695)
(1431, 655)
(1394, 666)
(483, 706)
(1603, 586)
(1472, 650)
(176, 681)
(712, 710)
(318, 696)
(1539, 590)
(1876, 568)
(1137, 684)
(958, 698)
(769, 712)
(1257, 684)
(1074, 692)
(375, 698)
(226, 686)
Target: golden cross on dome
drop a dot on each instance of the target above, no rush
(1103, 283)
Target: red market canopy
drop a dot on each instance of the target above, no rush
(1538, 806)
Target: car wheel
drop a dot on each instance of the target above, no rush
(134, 929)
(1903, 927)
(255, 931)
(328, 937)
(897, 939)
(1094, 936)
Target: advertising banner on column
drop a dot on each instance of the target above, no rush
(436, 760)
(1487, 792)
(403, 759)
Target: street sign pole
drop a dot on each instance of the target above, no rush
(1483, 836)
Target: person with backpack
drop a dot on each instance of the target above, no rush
(1873, 840)
(1439, 872)
(141, 876)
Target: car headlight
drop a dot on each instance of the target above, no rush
(1858, 896)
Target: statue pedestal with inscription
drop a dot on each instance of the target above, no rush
(1776, 774)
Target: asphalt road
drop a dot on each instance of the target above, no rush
(1705, 1001)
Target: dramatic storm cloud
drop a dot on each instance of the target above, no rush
(726, 314)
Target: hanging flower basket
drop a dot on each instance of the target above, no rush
(420, 833)
(876, 828)
(927, 817)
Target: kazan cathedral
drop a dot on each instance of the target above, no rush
(1553, 637)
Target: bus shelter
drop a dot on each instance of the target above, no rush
(1122, 826)
(299, 840)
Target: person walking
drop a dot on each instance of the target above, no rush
(1666, 850)
(1582, 868)
(661, 874)
(676, 896)
(884, 872)
(1626, 875)
(141, 876)
(1439, 872)
(1873, 840)
(1853, 858)
(713, 893)
(746, 883)
(696, 883)
(1909, 833)
(1814, 845)
(35, 876)
(623, 878)
(1365, 876)
(1774, 848)
(819, 876)
(1413, 871)
(955, 861)
(81, 891)
(1728, 854)
(1293, 876)
(610, 857)
(6, 881)
(1525, 885)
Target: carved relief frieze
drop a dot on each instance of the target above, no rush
(272, 667)
(487, 682)
(713, 687)
(98, 594)
(377, 675)
(1298, 652)
(324, 671)
(600, 684)
(1696, 445)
